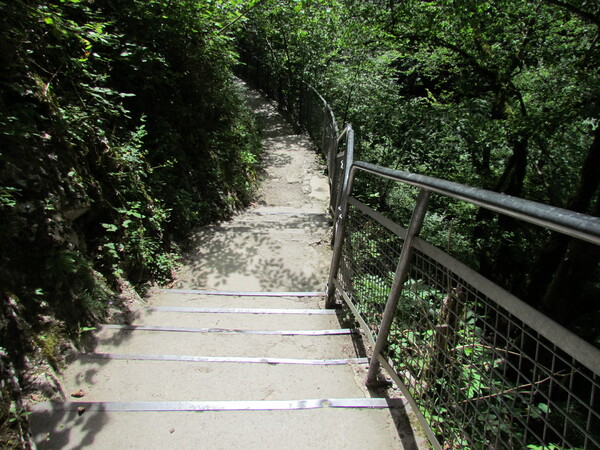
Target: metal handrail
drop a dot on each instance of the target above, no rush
(338, 148)
(327, 109)
(567, 222)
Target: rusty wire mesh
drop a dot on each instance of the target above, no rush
(471, 363)
(480, 376)
(310, 114)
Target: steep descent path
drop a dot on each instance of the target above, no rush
(240, 353)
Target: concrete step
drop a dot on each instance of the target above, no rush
(134, 381)
(280, 219)
(284, 255)
(325, 428)
(109, 340)
(174, 298)
(317, 224)
(260, 319)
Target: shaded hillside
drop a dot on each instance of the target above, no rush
(120, 129)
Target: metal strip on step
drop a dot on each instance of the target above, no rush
(242, 310)
(226, 359)
(230, 331)
(286, 213)
(244, 293)
(251, 405)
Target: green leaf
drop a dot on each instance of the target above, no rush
(110, 227)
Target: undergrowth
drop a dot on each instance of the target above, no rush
(120, 130)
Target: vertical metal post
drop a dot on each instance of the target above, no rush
(340, 225)
(324, 146)
(340, 222)
(333, 170)
(416, 221)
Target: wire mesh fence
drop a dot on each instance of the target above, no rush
(480, 375)
(369, 256)
(473, 365)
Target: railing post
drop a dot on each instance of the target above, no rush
(339, 227)
(340, 221)
(324, 143)
(331, 169)
(416, 221)
(332, 149)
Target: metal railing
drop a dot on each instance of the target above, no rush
(480, 368)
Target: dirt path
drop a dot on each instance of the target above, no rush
(225, 359)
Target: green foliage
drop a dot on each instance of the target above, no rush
(121, 128)
(7, 197)
(498, 95)
(105, 98)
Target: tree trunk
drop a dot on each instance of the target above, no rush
(567, 263)
(499, 264)
(570, 293)
(512, 179)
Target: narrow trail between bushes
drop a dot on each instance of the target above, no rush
(239, 352)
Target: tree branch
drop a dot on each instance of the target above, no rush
(490, 74)
(585, 15)
(240, 16)
(507, 391)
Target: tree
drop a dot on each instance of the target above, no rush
(500, 95)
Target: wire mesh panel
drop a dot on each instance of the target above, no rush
(481, 376)
(311, 114)
(369, 256)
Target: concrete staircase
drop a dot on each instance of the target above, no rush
(242, 354)
(205, 370)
